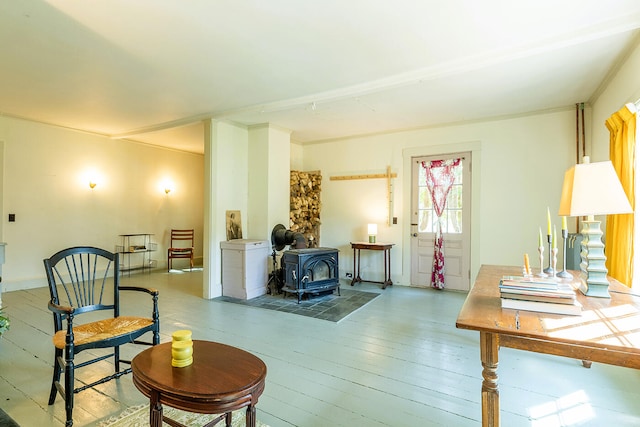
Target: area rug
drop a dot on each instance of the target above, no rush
(331, 307)
(6, 420)
(138, 416)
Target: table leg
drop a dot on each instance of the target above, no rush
(387, 268)
(489, 346)
(155, 410)
(228, 417)
(384, 255)
(356, 267)
(251, 416)
(389, 264)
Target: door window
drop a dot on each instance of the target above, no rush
(452, 215)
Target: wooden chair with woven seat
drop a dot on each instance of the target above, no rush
(84, 283)
(181, 247)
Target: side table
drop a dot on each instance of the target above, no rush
(385, 247)
(220, 380)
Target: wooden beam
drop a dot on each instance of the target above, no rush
(366, 176)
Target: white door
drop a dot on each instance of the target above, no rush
(455, 226)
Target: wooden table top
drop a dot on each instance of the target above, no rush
(221, 378)
(605, 324)
(374, 246)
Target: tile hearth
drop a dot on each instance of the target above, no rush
(332, 307)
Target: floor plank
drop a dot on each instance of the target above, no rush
(398, 361)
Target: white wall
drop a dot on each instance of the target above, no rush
(297, 151)
(46, 187)
(522, 162)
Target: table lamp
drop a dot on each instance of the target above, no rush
(593, 189)
(372, 231)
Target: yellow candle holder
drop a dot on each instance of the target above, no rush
(181, 354)
(181, 335)
(181, 349)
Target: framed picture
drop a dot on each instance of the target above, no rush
(234, 225)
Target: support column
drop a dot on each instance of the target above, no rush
(226, 188)
(269, 170)
(245, 170)
(212, 286)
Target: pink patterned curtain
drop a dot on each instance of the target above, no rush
(440, 178)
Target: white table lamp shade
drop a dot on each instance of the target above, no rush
(593, 189)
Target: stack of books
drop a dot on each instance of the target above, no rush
(539, 294)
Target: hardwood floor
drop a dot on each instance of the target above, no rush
(398, 361)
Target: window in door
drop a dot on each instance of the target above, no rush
(452, 214)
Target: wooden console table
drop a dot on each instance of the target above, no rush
(221, 379)
(386, 247)
(606, 331)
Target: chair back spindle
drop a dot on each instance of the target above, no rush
(83, 280)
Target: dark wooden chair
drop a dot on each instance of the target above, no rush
(181, 247)
(84, 283)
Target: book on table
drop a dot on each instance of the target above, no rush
(562, 293)
(529, 282)
(536, 294)
(540, 298)
(574, 309)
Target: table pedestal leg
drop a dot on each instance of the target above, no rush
(155, 410)
(251, 416)
(489, 346)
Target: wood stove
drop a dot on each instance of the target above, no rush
(310, 271)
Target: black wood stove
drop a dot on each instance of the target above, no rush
(310, 271)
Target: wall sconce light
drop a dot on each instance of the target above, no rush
(167, 186)
(372, 230)
(90, 176)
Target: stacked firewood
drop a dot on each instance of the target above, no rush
(304, 210)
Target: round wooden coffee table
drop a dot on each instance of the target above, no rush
(221, 379)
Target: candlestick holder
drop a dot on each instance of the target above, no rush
(181, 349)
(549, 270)
(564, 273)
(554, 261)
(541, 257)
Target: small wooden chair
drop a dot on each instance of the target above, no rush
(182, 249)
(84, 283)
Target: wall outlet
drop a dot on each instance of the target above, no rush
(349, 275)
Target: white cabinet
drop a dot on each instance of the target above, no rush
(244, 268)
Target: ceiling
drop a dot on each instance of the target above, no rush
(152, 70)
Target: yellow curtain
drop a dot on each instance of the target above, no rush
(619, 237)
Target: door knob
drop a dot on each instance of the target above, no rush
(415, 234)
